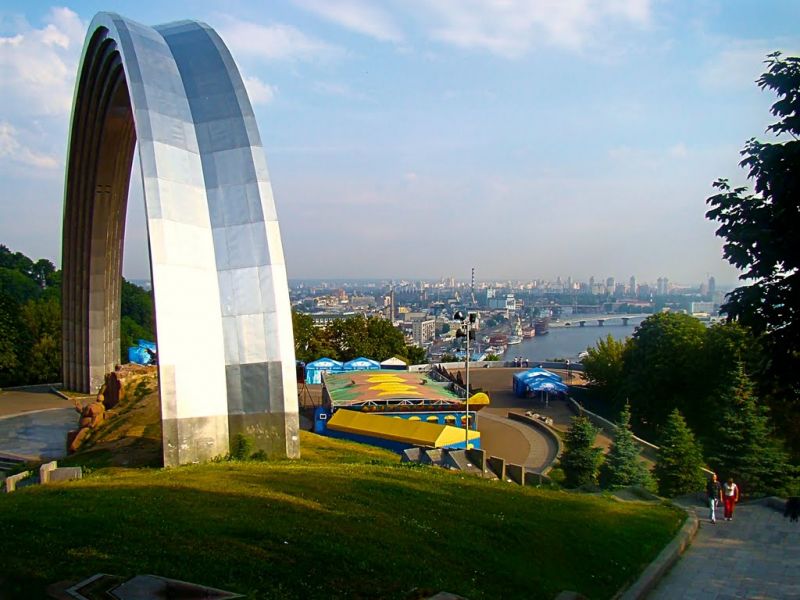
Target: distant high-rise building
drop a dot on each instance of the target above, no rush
(610, 284)
(619, 290)
(632, 286)
(712, 285)
(661, 286)
(591, 282)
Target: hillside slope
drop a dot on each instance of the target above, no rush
(345, 521)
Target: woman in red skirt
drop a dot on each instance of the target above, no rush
(730, 496)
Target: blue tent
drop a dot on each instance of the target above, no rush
(361, 364)
(545, 384)
(139, 354)
(522, 381)
(314, 370)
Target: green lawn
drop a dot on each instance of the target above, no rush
(345, 521)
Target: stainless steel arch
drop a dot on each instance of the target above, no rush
(223, 321)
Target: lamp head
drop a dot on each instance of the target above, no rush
(458, 315)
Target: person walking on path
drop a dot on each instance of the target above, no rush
(730, 496)
(714, 495)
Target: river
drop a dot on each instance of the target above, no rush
(568, 342)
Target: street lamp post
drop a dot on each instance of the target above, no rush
(466, 330)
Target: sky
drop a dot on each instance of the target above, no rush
(421, 138)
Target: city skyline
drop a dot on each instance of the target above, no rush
(415, 140)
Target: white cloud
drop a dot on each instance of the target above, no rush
(273, 42)
(11, 149)
(737, 66)
(357, 16)
(38, 66)
(259, 92)
(510, 28)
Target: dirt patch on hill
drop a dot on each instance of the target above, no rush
(130, 435)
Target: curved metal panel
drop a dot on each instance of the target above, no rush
(226, 352)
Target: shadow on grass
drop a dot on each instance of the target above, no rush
(363, 531)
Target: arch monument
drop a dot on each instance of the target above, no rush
(222, 313)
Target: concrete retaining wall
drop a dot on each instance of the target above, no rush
(516, 473)
(65, 474)
(477, 457)
(534, 478)
(497, 466)
(663, 562)
(546, 430)
(12, 481)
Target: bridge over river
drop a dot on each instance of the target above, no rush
(596, 320)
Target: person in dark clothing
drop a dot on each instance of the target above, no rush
(714, 495)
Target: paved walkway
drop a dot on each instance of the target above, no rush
(39, 434)
(757, 555)
(516, 442)
(15, 402)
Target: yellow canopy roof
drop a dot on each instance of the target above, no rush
(418, 433)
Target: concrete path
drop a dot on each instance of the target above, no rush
(757, 555)
(14, 402)
(40, 434)
(515, 442)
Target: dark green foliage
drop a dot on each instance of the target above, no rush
(259, 455)
(346, 339)
(137, 303)
(744, 446)
(30, 319)
(678, 470)
(760, 233)
(42, 320)
(414, 355)
(241, 447)
(622, 466)
(662, 369)
(18, 286)
(11, 330)
(604, 366)
(580, 459)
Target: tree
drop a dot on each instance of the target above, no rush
(622, 466)
(137, 303)
(580, 459)
(18, 286)
(491, 357)
(42, 356)
(662, 369)
(10, 336)
(760, 233)
(678, 468)
(603, 366)
(415, 355)
(743, 446)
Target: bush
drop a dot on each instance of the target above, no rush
(680, 461)
(581, 459)
(241, 447)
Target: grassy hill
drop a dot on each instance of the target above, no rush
(345, 521)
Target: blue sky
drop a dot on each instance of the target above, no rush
(420, 138)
